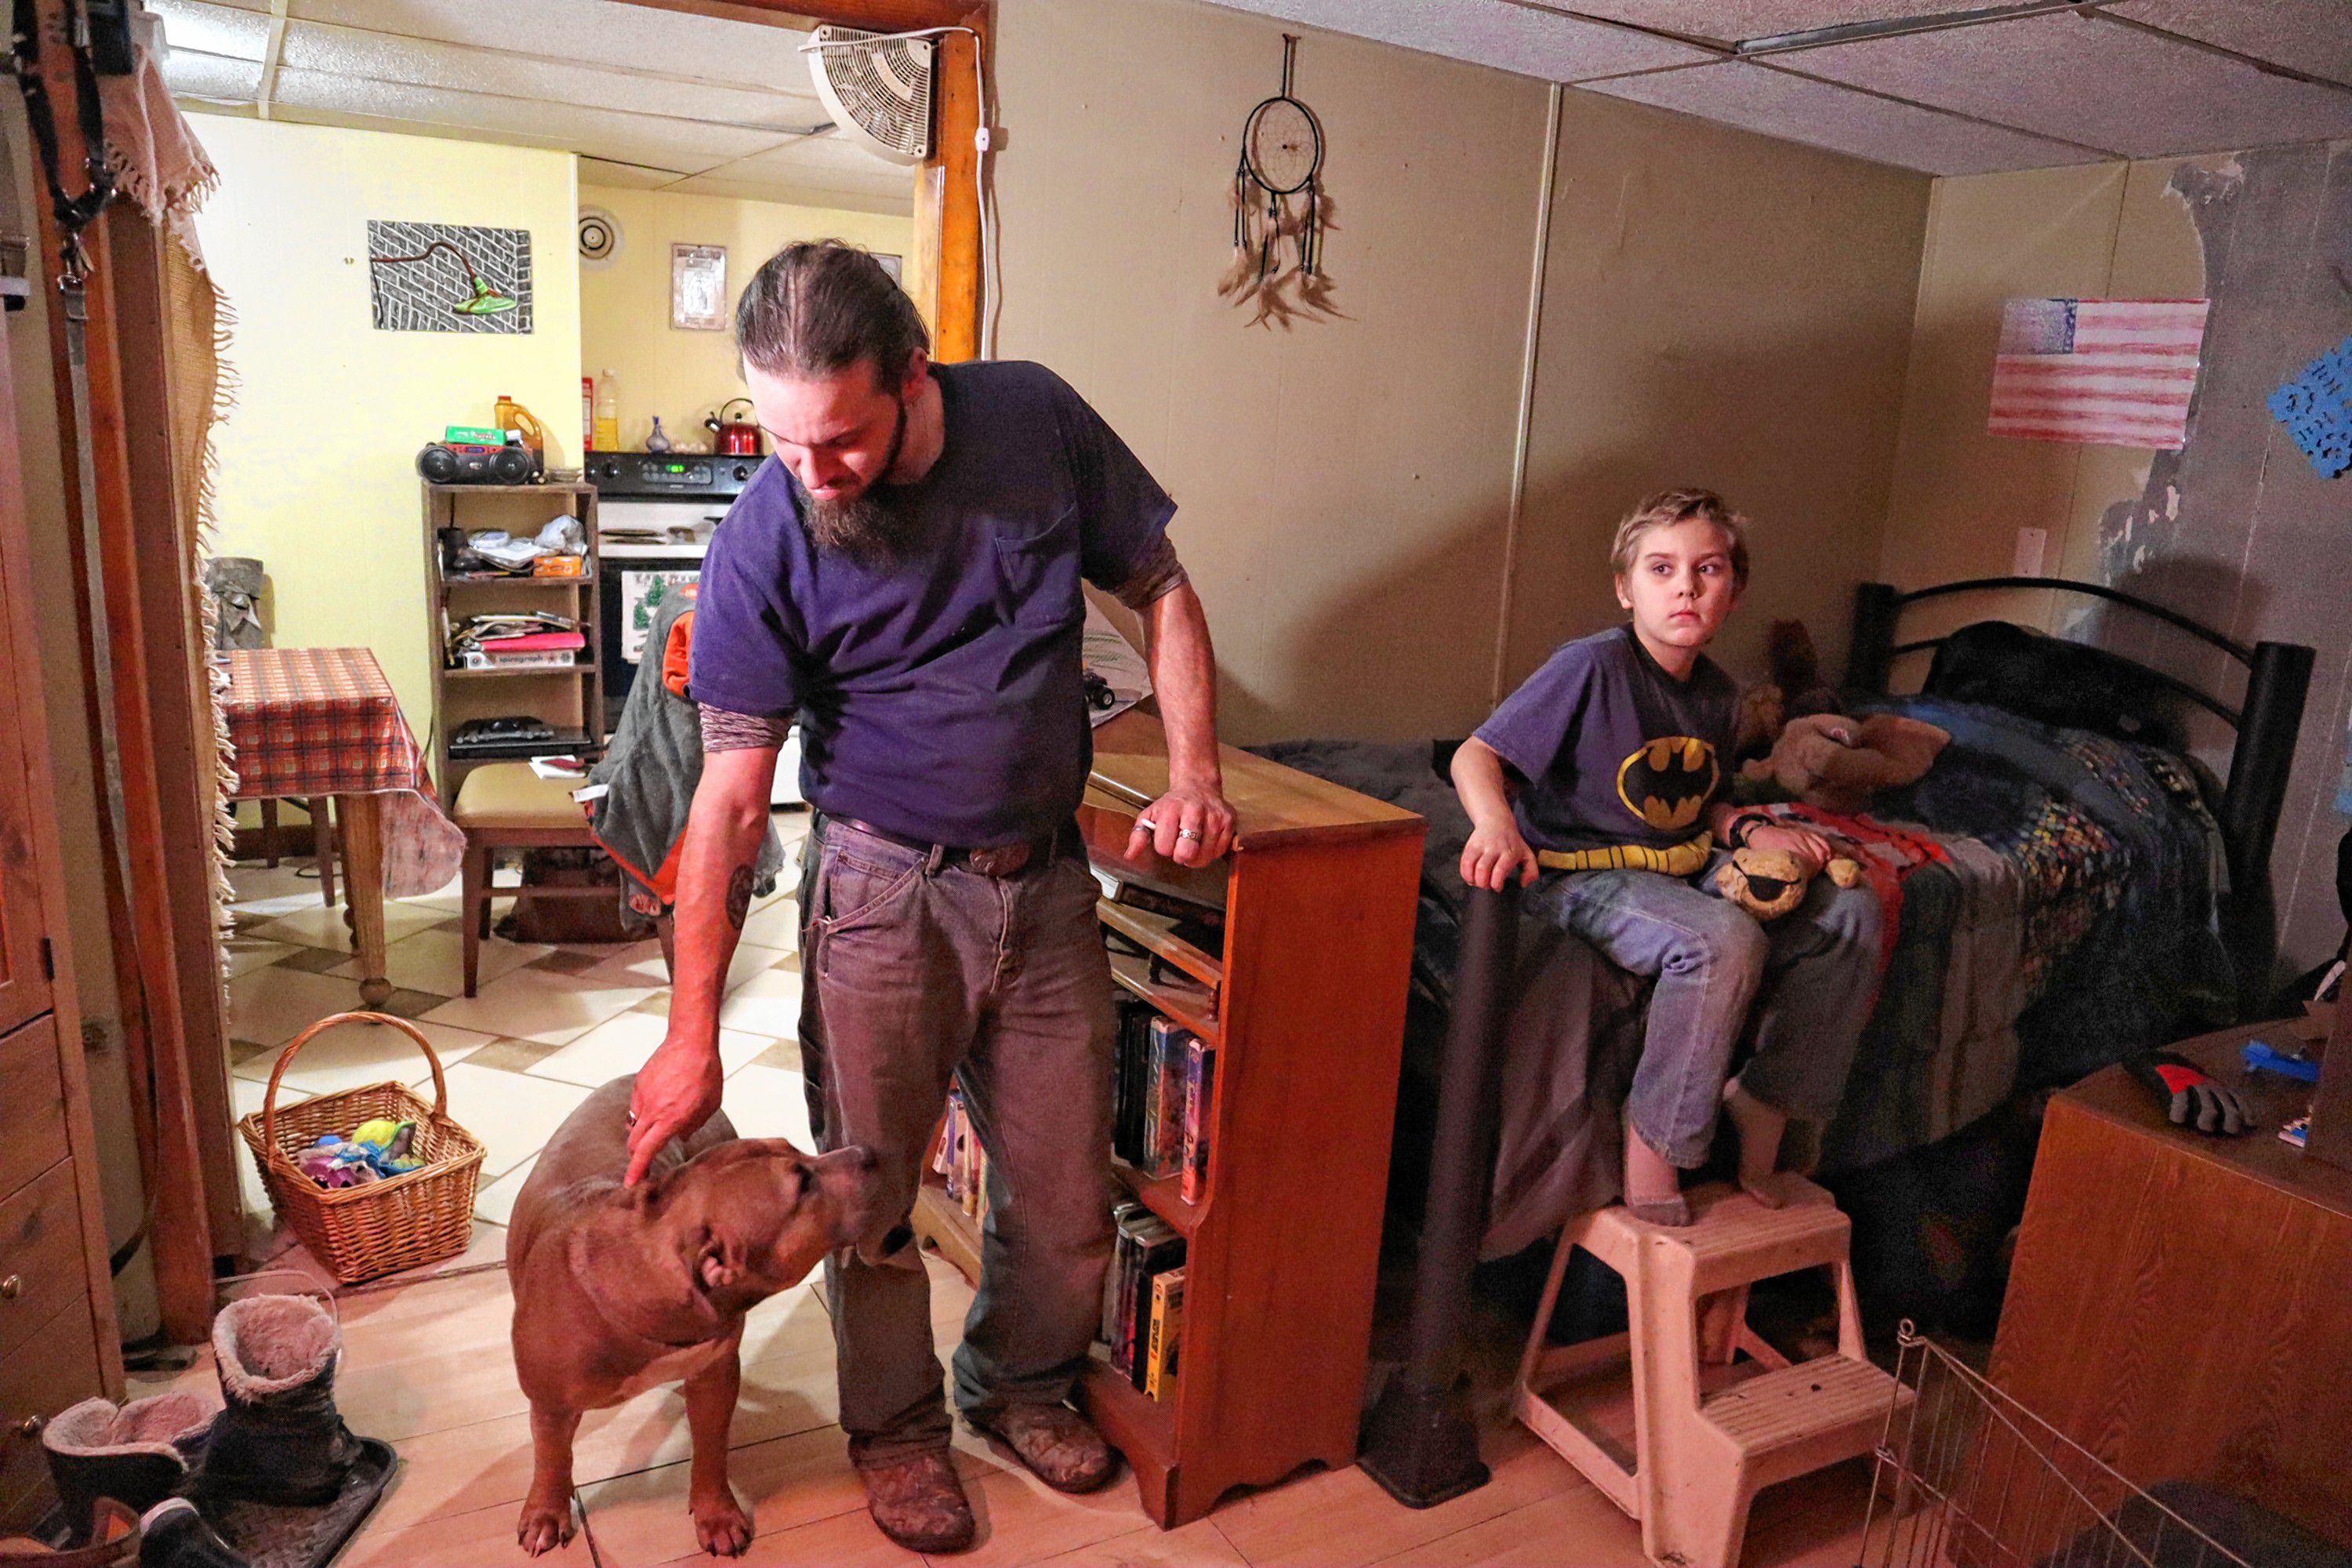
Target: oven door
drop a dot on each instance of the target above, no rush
(639, 579)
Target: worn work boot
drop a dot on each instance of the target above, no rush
(137, 1454)
(280, 1440)
(918, 1501)
(177, 1537)
(1060, 1446)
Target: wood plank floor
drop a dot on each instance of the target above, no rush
(426, 1367)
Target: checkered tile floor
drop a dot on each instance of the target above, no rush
(547, 1023)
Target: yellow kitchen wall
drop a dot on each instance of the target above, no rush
(316, 462)
(679, 374)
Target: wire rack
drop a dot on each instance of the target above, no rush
(1968, 1477)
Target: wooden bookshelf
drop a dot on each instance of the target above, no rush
(1305, 1001)
(569, 698)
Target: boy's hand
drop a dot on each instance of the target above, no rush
(1493, 854)
(1812, 851)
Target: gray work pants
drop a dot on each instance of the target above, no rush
(915, 972)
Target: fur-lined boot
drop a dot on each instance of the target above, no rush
(281, 1439)
(138, 1454)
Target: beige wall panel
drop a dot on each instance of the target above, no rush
(1960, 495)
(1343, 486)
(1720, 309)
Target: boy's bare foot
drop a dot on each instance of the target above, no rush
(1653, 1188)
(1760, 1127)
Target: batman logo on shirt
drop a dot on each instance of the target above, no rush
(1668, 782)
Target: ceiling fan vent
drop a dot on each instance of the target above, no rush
(879, 89)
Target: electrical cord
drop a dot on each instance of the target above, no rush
(981, 144)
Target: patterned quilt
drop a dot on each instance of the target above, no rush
(2068, 921)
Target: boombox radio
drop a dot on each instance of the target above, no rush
(451, 463)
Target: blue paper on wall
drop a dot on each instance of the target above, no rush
(2316, 409)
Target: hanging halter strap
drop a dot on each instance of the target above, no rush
(73, 214)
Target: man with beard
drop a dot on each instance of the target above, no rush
(905, 578)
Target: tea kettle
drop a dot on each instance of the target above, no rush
(734, 438)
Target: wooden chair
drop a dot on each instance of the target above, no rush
(1709, 1430)
(505, 806)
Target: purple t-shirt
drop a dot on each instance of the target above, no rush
(1612, 749)
(939, 697)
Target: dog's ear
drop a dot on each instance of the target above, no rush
(637, 1280)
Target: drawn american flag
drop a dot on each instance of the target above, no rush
(2114, 371)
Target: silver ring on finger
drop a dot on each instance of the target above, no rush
(1188, 833)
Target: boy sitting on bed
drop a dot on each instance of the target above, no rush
(1618, 750)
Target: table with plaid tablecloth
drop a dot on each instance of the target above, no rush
(309, 721)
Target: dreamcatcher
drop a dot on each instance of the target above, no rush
(1280, 205)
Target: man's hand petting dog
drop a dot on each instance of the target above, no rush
(620, 1286)
(676, 1091)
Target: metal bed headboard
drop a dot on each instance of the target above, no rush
(2278, 679)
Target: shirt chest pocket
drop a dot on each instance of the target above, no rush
(1038, 576)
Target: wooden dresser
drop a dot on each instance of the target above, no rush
(2181, 1306)
(58, 1340)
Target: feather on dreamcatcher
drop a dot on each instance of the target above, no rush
(1280, 205)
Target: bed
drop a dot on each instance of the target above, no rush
(2061, 894)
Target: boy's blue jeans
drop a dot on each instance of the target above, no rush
(1816, 966)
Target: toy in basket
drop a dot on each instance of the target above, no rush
(403, 1221)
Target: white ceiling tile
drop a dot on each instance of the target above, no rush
(630, 138)
(2074, 76)
(215, 77)
(378, 57)
(212, 29)
(1822, 114)
(629, 176)
(2314, 36)
(1498, 33)
(593, 32)
(1732, 21)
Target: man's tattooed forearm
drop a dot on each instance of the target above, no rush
(739, 895)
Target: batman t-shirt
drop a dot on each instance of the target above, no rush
(1612, 749)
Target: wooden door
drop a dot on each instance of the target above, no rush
(24, 923)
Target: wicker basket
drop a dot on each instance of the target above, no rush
(377, 1228)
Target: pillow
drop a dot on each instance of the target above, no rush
(2054, 682)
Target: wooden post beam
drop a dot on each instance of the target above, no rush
(947, 192)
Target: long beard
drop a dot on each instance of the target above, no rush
(863, 528)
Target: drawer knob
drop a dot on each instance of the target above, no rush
(29, 1428)
(12, 1287)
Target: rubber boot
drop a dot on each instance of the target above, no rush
(138, 1454)
(281, 1439)
(176, 1536)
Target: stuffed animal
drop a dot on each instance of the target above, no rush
(1836, 764)
(1768, 883)
(1794, 688)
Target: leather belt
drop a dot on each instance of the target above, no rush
(1004, 860)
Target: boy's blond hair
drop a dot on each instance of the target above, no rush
(1666, 509)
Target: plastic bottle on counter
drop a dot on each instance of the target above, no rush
(587, 413)
(608, 412)
(512, 416)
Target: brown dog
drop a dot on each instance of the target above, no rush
(619, 1289)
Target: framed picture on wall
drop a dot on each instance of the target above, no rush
(893, 266)
(697, 287)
